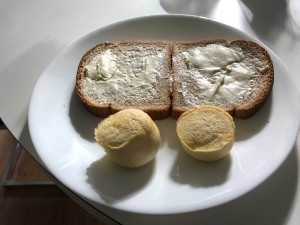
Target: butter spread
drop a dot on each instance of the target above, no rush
(211, 57)
(101, 67)
(221, 73)
(109, 74)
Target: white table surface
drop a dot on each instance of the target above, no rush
(33, 32)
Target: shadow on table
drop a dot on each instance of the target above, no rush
(33, 60)
(192, 7)
(264, 16)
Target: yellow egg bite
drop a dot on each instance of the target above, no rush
(206, 132)
(129, 137)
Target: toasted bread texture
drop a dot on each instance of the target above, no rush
(160, 77)
(237, 76)
(126, 74)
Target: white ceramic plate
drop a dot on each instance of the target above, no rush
(62, 132)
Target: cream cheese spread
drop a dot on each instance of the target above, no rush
(101, 67)
(222, 73)
(211, 57)
(109, 73)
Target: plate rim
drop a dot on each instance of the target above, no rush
(109, 26)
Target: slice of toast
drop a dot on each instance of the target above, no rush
(126, 74)
(237, 76)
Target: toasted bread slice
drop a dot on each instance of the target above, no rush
(237, 76)
(126, 74)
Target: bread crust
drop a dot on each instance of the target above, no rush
(263, 79)
(171, 100)
(156, 110)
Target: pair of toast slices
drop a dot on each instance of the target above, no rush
(163, 78)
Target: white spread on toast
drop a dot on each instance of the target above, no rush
(109, 73)
(212, 58)
(102, 67)
(222, 73)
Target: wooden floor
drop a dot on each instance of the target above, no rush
(35, 205)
